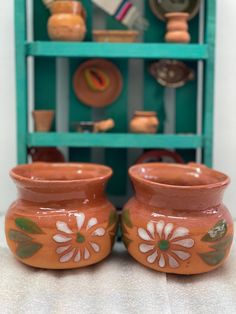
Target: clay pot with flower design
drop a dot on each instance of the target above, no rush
(176, 222)
(62, 218)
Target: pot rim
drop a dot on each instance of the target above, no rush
(175, 14)
(191, 166)
(106, 173)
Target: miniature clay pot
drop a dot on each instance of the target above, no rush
(104, 125)
(46, 154)
(144, 122)
(115, 36)
(62, 218)
(177, 27)
(43, 120)
(67, 22)
(176, 222)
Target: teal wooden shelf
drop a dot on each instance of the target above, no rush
(109, 50)
(112, 140)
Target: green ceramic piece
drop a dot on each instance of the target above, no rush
(18, 236)
(213, 258)
(126, 218)
(28, 225)
(217, 232)
(80, 238)
(27, 249)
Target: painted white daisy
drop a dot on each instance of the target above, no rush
(80, 244)
(165, 245)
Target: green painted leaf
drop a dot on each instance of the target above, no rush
(217, 232)
(27, 249)
(126, 240)
(18, 236)
(223, 245)
(28, 225)
(113, 218)
(213, 258)
(126, 218)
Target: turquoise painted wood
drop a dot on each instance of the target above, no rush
(209, 82)
(115, 140)
(116, 143)
(118, 50)
(21, 80)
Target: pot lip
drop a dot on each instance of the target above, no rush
(190, 166)
(29, 181)
(173, 14)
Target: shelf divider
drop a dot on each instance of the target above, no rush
(117, 50)
(118, 140)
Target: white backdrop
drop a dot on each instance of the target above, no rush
(225, 100)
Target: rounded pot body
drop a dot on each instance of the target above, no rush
(144, 122)
(67, 22)
(176, 222)
(177, 28)
(62, 218)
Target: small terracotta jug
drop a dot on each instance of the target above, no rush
(67, 22)
(177, 27)
(43, 120)
(176, 222)
(62, 218)
(144, 122)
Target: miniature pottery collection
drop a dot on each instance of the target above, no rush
(177, 27)
(43, 120)
(67, 22)
(144, 122)
(62, 218)
(97, 83)
(176, 222)
(171, 73)
(161, 7)
(115, 36)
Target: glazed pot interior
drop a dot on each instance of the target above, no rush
(178, 175)
(60, 172)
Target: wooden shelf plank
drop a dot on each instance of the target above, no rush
(117, 50)
(112, 140)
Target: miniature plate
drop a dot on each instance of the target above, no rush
(97, 83)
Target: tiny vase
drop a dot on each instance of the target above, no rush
(177, 28)
(67, 22)
(144, 122)
(176, 221)
(62, 218)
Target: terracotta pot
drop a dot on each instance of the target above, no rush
(43, 120)
(176, 222)
(67, 22)
(115, 36)
(46, 154)
(144, 122)
(177, 27)
(62, 218)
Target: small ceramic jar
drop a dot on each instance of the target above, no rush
(144, 122)
(176, 222)
(62, 218)
(67, 22)
(177, 27)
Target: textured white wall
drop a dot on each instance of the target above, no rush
(225, 101)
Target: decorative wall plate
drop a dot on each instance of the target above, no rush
(97, 83)
(161, 7)
(171, 73)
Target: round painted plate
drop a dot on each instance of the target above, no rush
(161, 7)
(97, 83)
